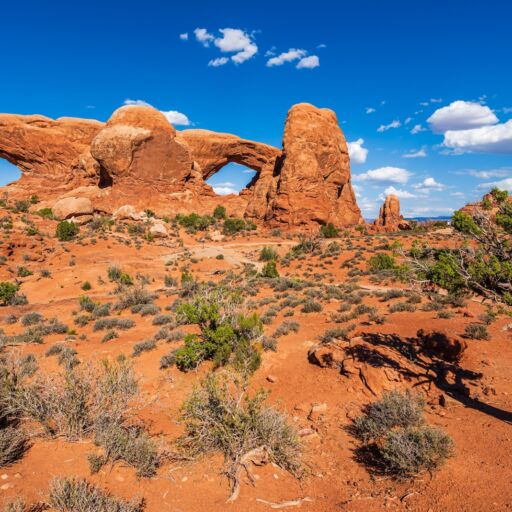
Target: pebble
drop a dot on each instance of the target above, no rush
(6, 486)
(271, 378)
(5, 476)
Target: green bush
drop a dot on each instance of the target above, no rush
(268, 254)
(269, 270)
(45, 213)
(7, 292)
(476, 332)
(329, 231)
(445, 273)
(499, 196)
(219, 213)
(381, 261)
(66, 230)
(233, 225)
(226, 336)
(194, 222)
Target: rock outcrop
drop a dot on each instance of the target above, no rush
(313, 182)
(389, 218)
(138, 158)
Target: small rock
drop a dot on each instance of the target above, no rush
(316, 411)
(271, 378)
(6, 486)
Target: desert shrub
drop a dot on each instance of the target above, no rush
(329, 231)
(401, 307)
(268, 254)
(219, 212)
(233, 225)
(269, 270)
(170, 281)
(145, 309)
(109, 336)
(7, 293)
(130, 444)
(163, 319)
(13, 444)
(23, 271)
(117, 275)
(194, 222)
(285, 328)
(143, 346)
(407, 452)
(86, 286)
(220, 417)
(336, 333)
(381, 261)
(113, 323)
(134, 297)
(66, 231)
(311, 306)
(445, 272)
(394, 409)
(396, 438)
(269, 343)
(227, 335)
(168, 360)
(78, 495)
(31, 319)
(45, 213)
(476, 332)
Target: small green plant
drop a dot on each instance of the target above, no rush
(219, 213)
(233, 225)
(381, 261)
(329, 231)
(7, 292)
(66, 231)
(86, 286)
(45, 213)
(269, 270)
(268, 254)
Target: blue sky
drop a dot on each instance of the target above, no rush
(384, 67)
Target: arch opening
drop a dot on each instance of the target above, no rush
(232, 178)
(8, 172)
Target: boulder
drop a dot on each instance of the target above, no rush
(126, 212)
(441, 344)
(68, 207)
(158, 229)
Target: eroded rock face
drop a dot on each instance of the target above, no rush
(68, 207)
(389, 218)
(314, 184)
(53, 155)
(138, 158)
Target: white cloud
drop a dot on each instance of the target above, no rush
(289, 56)
(173, 116)
(356, 151)
(457, 194)
(236, 41)
(385, 174)
(491, 173)
(436, 100)
(461, 115)
(223, 189)
(310, 62)
(176, 118)
(420, 153)
(429, 184)
(428, 211)
(219, 61)
(203, 36)
(385, 127)
(505, 184)
(398, 192)
(184, 36)
(139, 103)
(370, 110)
(322, 45)
(487, 139)
(407, 120)
(417, 128)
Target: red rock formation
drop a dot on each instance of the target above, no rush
(52, 154)
(138, 158)
(313, 185)
(389, 218)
